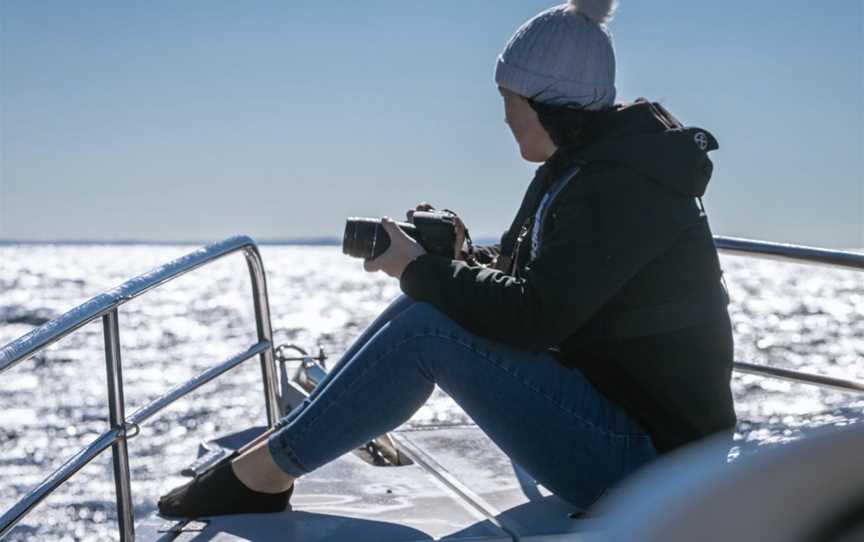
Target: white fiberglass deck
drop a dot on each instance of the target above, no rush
(460, 487)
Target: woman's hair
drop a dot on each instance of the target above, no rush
(570, 123)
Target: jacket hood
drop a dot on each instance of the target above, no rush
(646, 137)
(642, 136)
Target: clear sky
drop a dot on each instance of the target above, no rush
(195, 120)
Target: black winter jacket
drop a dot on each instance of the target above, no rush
(616, 275)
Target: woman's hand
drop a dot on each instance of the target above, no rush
(460, 227)
(399, 254)
(423, 206)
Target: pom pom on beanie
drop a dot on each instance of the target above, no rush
(599, 11)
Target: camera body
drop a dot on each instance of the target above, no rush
(434, 230)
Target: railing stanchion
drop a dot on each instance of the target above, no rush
(117, 418)
(265, 332)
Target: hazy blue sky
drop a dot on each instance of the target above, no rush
(196, 120)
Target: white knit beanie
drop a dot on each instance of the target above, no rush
(563, 55)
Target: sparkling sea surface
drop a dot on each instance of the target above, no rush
(786, 315)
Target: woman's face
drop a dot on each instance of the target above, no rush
(535, 145)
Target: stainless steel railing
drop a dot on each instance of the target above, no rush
(790, 253)
(798, 254)
(105, 306)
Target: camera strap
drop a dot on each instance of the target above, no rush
(546, 204)
(532, 224)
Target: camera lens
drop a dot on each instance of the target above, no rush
(361, 237)
(366, 237)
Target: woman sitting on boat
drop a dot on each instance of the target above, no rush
(592, 339)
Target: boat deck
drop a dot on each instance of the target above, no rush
(459, 487)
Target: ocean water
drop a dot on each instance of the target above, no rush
(786, 315)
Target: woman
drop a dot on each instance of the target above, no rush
(594, 338)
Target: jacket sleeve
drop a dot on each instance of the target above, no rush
(598, 241)
(482, 254)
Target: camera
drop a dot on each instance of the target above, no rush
(434, 230)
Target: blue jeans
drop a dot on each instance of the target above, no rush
(546, 417)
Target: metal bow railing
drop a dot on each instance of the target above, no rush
(105, 306)
(798, 254)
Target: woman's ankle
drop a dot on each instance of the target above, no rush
(257, 470)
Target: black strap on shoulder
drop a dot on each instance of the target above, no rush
(546, 204)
